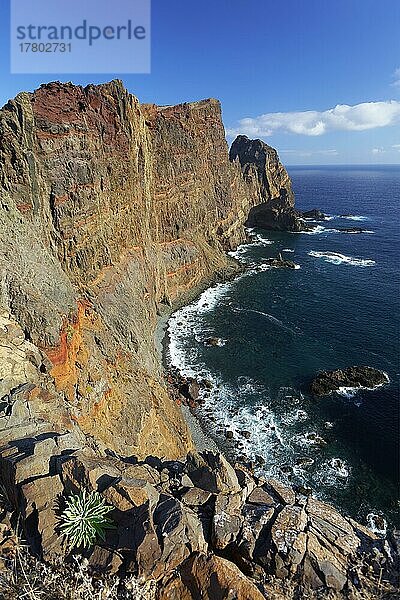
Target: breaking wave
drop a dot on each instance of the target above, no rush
(337, 259)
(353, 217)
(270, 431)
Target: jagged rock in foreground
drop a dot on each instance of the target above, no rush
(327, 382)
(198, 527)
(262, 168)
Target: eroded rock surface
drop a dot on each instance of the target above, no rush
(111, 211)
(236, 536)
(327, 382)
(263, 170)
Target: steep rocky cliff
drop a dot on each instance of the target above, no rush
(271, 184)
(110, 211)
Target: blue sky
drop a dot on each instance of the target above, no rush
(317, 79)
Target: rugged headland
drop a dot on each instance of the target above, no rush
(112, 211)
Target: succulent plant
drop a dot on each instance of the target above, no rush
(84, 519)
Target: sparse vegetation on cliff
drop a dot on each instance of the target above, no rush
(85, 519)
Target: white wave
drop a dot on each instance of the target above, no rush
(287, 250)
(347, 392)
(185, 323)
(241, 251)
(338, 259)
(262, 241)
(334, 473)
(351, 391)
(313, 231)
(353, 217)
(293, 417)
(355, 232)
(301, 415)
(321, 229)
(377, 523)
(256, 430)
(310, 438)
(340, 467)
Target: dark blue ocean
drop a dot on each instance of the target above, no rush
(278, 327)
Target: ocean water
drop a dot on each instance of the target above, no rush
(277, 328)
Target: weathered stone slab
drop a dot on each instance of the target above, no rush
(227, 519)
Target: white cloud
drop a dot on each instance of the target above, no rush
(307, 153)
(396, 78)
(367, 115)
(379, 150)
(396, 147)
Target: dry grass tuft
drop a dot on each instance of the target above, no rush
(24, 577)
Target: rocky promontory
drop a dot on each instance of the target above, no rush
(263, 170)
(113, 212)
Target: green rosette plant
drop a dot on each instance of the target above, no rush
(84, 519)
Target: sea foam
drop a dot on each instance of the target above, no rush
(337, 259)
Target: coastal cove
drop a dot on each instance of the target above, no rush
(114, 214)
(278, 327)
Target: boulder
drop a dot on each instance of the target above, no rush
(129, 493)
(167, 535)
(142, 471)
(85, 470)
(104, 560)
(260, 496)
(210, 577)
(210, 471)
(227, 519)
(196, 497)
(328, 562)
(283, 493)
(41, 516)
(288, 535)
(253, 540)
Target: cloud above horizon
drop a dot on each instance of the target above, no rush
(396, 78)
(359, 117)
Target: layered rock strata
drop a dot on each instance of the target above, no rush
(110, 211)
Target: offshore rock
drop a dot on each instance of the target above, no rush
(315, 214)
(281, 263)
(327, 382)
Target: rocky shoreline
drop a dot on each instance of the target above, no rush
(98, 241)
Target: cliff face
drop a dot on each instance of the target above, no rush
(109, 210)
(270, 182)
